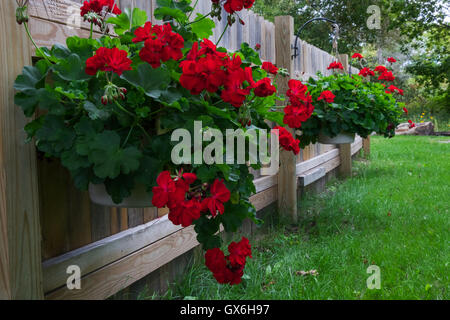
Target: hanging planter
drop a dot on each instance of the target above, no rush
(341, 138)
(139, 197)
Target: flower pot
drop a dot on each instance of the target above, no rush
(341, 138)
(139, 197)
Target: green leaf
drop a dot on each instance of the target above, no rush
(28, 103)
(94, 112)
(73, 161)
(153, 81)
(204, 27)
(32, 127)
(83, 47)
(72, 69)
(128, 20)
(120, 187)
(54, 136)
(27, 81)
(109, 158)
(165, 13)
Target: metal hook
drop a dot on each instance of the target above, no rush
(297, 35)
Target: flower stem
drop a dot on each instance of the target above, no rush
(145, 132)
(200, 19)
(123, 109)
(34, 43)
(224, 30)
(92, 30)
(193, 8)
(128, 136)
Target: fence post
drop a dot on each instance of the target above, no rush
(345, 150)
(20, 235)
(287, 178)
(366, 147)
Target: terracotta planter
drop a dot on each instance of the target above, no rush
(139, 197)
(341, 138)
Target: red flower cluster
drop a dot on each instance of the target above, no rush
(232, 6)
(161, 43)
(405, 110)
(185, 207)
(387, 76)
(380, 69)
(97, 6)
(411, 124)
(106, 59)
(366, 72)
(300, 108)
(393, 88)
(209, 69)
(229, 269)
(287, 141)
(335, 65)
(269, 67)
(327, 95)
(219, 195)
(391, 60)
(357, 55)
(172, 194)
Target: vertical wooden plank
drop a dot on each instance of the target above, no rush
(53, 205)
(115, 220)
(150, 214)
(345, 153)
(287, 179)
(123, 219)
(366, 147)
(20, 252)
(135, 217)
(100, 222)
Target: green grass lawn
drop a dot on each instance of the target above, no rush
(394, 213)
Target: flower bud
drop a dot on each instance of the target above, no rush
(104, 100)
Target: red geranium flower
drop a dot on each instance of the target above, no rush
(106, 59)
(387, 76)
(185, 212)
(161, 192)
(366, 72)
(161, 43)
(286, 140)
(357, 55)
(264, 88)
(232, 6)
(229, 269)
(411, 124)
(239, 252)
(269, 67)
(405, 110)
(327, 95)
(380, 69)
(391, 60)
(335, 65)
(97, 7)
(219, 195)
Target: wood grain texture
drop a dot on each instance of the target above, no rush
(20, 252)
(105, 251)
(366, 147)
(112, 278)
(287, 180)
(345, 152)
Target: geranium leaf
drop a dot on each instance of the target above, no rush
(153, 81)
(204, 27)
(109, 158)
(72, 69)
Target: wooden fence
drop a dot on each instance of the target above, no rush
(46, 224)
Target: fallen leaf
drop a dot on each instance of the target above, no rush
(312, 272)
